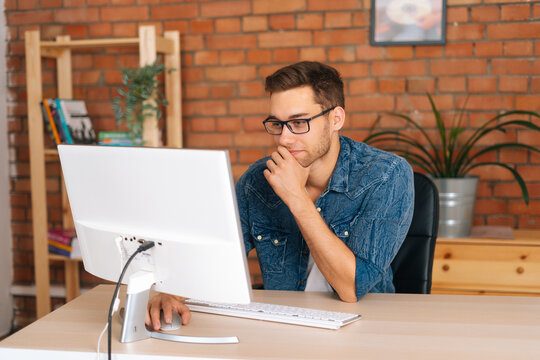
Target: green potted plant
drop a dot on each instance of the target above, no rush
(140, 97)
(449, 160)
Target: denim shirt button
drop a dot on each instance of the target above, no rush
(276, 241)
(318, 209)
(346, 233)
(302, 282)
(259, 237)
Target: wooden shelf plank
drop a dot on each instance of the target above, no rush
(81, 44)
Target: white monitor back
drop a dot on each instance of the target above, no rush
(181, 199)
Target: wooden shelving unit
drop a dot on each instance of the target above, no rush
(149, 46)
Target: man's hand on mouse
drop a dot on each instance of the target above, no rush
(168, 303)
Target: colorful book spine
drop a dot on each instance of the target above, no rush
(58, 123)
(47, 115)
(61, 236)
(59, 251)
(69, 139)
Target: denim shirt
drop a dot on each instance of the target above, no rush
(368, 204)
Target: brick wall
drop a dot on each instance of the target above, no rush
(228, 47)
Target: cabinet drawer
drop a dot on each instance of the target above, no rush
(487, 267)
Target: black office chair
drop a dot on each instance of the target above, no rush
(414, 261)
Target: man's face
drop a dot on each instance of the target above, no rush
(298, 103)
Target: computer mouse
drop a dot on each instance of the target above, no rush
(175, 324)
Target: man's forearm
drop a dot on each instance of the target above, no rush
(334, 259)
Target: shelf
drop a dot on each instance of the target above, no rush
(56, 257)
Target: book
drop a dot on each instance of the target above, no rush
(49, 120)
(74, 115)
(118, 138)
(57, 114)
(62, 236)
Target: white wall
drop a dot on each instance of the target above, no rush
(6, 266)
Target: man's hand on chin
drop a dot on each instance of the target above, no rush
(286, 176)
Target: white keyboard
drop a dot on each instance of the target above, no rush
(277, 313)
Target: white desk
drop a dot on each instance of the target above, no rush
(393, 327)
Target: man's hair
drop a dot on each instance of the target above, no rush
(324, 80)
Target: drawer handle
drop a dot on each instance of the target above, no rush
(520, 270)
(447, 255)
(446, 267)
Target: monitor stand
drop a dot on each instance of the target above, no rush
(132, 318)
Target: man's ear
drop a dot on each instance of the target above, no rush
(338, 118)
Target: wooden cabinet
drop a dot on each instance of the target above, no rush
(488, 266)
(149, 45)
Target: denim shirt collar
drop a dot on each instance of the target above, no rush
(339, 181)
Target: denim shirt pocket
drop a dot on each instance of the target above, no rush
(342, 231)
(270, 244)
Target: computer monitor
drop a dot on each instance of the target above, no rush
(183, 200)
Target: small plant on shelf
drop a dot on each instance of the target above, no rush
(139, 86)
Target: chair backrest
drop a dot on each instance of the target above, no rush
(413, 263)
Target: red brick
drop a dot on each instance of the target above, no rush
(192, 42)
(248, 106)
(391, 86)
(100, 30)
(513, 156)
(361, 18)
(367, 52)
(489, 102)
(231, 25)
(458, 14)
(34, 17)
(370, 103)
(401, 68)
(223, 91)
(306, 21)
(254, 23)
(278, 6)
(231, 73)
(465, 32)
(180, 25)
(192, 75)
(355, 70)
(231, 41)
(204, 108)
(314, 54)
(485, 14)
(528, 102)
(251, 89)
(452, 84)
(259, 56)
(518, 48)
(285, 55)
(490, 206)
(203, 124)
(398, 52)
(282, 22)
(202, 26)
(456, 67)
(515, 12)
(344, 53)
(420, 85)
(362, 86)
(491, 48)
(513, 84)
(196, 91)
(459, 50)
(318, 5)
(208, 140)
(206, 58)
(124, 30)
(232, 57)
(129, 13)
(338, 37)
(337, 20)
(501, 220)
(225, 8)
(253, 139)
(254, 123)
(250, 155)
(524, 30)
(512, 67)
(285, 39)
(482, 84)
(229, 124)
(535, 85)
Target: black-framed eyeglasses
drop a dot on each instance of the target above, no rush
(274, 126)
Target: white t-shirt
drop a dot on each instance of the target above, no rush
(316, 280)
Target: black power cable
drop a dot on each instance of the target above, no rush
(143, 247)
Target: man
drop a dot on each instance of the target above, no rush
(324, 212)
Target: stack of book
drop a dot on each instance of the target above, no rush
(68, 121)
(64, 242)
(118, 138)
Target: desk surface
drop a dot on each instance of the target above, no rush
(394, 326)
